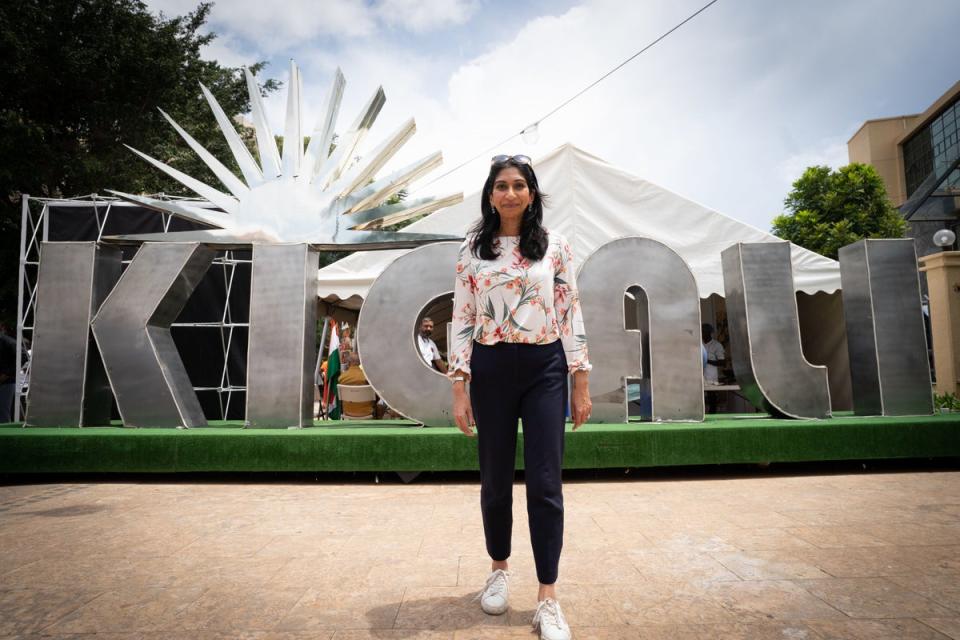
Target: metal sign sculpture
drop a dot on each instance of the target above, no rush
(151, 388)
(315, 195)
(674, 378)
(768, 359)
(886, 338)
(328, 199)
(287, 206)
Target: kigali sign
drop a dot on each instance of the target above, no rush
(100, 336)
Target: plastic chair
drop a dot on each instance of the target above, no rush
(356, 393)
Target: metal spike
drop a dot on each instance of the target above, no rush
(390, 214)
(220, 199)
(345, 240)
(219, 238)
(319, 146)
(194, 214)
(292, 136)
(364, 171)
(266, 144)
(248, 166)
(347, 145)
(376, 240)
(386, 187)
(230, 181)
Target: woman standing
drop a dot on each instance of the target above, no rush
(517, 334)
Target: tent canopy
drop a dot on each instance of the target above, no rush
(592, 202)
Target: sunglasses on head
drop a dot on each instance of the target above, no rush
(519, 159)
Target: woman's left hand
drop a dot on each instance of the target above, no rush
(580, 400)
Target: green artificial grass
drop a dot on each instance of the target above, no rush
(402, 446)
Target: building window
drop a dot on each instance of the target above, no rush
(933, 148)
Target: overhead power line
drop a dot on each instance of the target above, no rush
(560, 106)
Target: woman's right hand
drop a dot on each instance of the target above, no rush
(462, 412)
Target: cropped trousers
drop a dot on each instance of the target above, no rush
(527, 382)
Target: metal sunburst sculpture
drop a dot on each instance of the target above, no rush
(329, 200)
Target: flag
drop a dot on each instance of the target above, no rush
(333, 374)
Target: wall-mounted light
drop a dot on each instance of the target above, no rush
(944, 239)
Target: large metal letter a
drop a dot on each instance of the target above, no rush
(675, 374)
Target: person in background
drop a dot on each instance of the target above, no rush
(715, 355)
(320, 377)
(353, 375)
(346, 342)
(711, 371)
(428, 348)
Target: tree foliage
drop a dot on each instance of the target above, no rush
(830, 209)
(81, 78)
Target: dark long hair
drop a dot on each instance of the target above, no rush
(533, 237)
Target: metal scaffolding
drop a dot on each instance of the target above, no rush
(35, 229)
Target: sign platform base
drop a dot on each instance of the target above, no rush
(402, 446)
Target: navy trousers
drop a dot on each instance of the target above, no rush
(529, 382)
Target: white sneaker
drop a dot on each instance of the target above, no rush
(550, 621)
(493, 598)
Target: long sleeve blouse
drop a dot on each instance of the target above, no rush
(512, 299)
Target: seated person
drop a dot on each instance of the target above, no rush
(428, 348)
(353, 375)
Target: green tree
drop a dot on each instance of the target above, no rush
(81, 78)
(830, 209)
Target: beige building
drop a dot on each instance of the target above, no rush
(911, 152)
(875, 143)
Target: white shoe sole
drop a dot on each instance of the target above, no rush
(495, 611)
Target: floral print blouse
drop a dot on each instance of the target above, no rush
(511, 299)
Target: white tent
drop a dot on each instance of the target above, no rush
(592, 202)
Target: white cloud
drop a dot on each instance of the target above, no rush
(830, 152)
(726, 111)
(278, 26)
(420, 16)
(274, 27)
(230, 52)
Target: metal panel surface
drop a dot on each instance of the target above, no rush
(765, 333)
(676, 370)
(886, 338)
(68, 385)
(386, 340)
(281, 350)
(858, 317)
(132, 330)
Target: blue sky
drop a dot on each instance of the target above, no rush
(727, 111)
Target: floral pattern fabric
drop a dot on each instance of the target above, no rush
(511, 299)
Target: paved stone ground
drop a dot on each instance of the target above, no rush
(758, 556)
